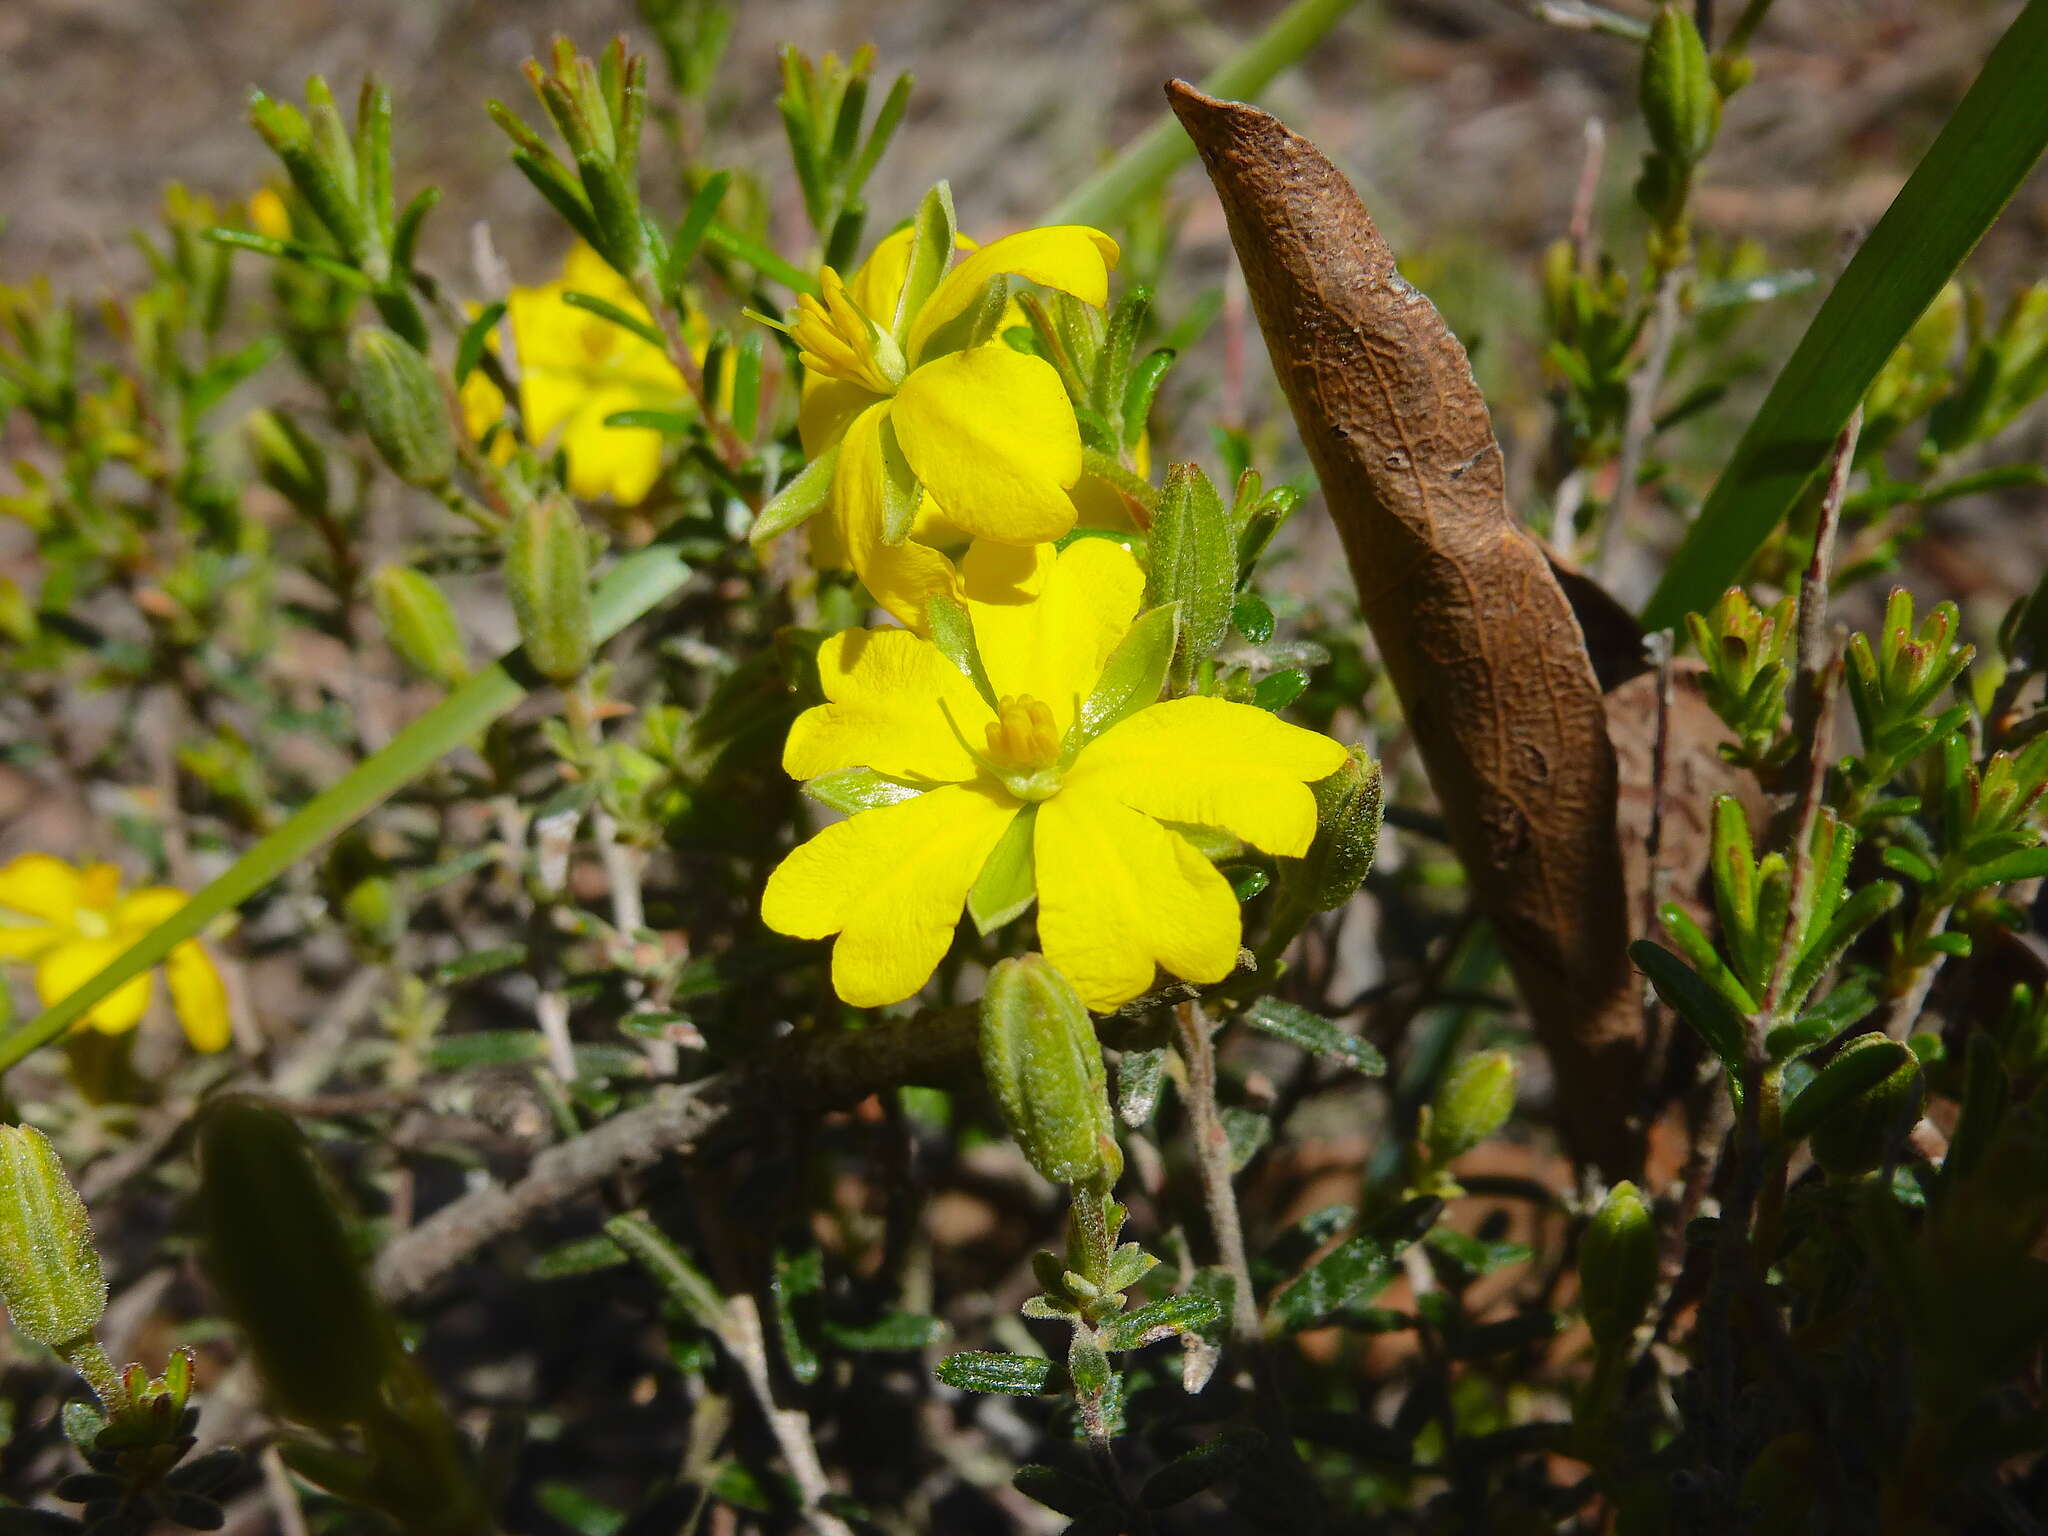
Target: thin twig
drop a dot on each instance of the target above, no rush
(744, 1340)
(1212, 1156)
(1814, 648)
(802, 1075)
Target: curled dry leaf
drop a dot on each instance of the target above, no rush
(1477, 635)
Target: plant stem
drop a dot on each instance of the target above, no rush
(87, 1356)
(1212, 1157)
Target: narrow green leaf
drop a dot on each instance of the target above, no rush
(629, 590)
(604, 309)
(1315, 1034)
(732, 242)
(978, 1371)
(672, 1270)
(1710, 1014)
(1981, 156)
(1851, 1074)
(1144, 164)
(690, 233)
(475, 337)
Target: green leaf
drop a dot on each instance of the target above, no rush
(1166, 1318)
(1201, 1468)
(2028, 864)
(853, 790)
(723, 237)
(1144, 165)
(629, 590)
(688, 1286)
(1133, 675)
(475, 337)
(1315, 1034)
(1007, 884)
(674, 423)
(1280, 689)
(797, 500)
(1138, 1075)
(1349, 1276)
(979, 1371)
(1981, 156)
(604, 309)
(696, 220)
(583, 1256)
(1710, 1014)
(891, 1333)
(1193, 567)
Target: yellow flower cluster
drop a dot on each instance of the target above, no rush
(575, 369)
(72, 921)
(964, 768)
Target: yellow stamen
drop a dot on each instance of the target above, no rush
(1024, 747)
(837, 340)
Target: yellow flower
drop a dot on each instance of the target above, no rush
(1119, 893)
(268, 214)
(71, 921)
(575, 369)
(987, 432)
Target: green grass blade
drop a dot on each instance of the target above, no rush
(629, 590)
(1976, 163)
(1148, 160)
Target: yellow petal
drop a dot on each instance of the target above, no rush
(901, 577)
(38, 885)
(70, 966)
(828, 409)
(1070, 257)
(199, 997)
(1118, 894)
(878, 285)
(1052, 647)
(991, 435)
(142, 910)
(1214, 763)
(891, 883)
(24, 941)
(890, 694)
(620, 462)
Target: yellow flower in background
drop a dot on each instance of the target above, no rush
(72, 920)
(1119, 893)
(986, 431)
(575, 369)
(268, 214)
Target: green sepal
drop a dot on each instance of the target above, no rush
(935, 230)
(1008, 882)
(853, 790)
(1132, 677)
(798, 500)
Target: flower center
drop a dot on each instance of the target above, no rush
(1024, 747)
(840, 342)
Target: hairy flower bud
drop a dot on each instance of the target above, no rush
(49, 1270)
(1681, 104)
(1851, 1139)
(1194, 564)
(1473, 1103)
(1617, 1266)
(420, 623)
(547, 574)
(402, 405)
(1044, 1066)
(280, 1257)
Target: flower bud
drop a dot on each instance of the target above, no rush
(17, 613)
(290, 462)
(1347, 834)
(420, 623)
(374, 912)
(1044, 1066)
(1193, 563)
(1473, 1103)
(1617, 1266)
(1851, 1140)
(280, 1257)
(547, 574)
(1681, 104)
(49, 1270)
(402, 405)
